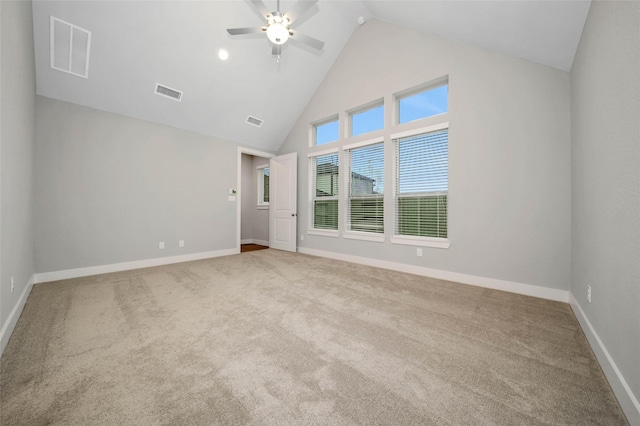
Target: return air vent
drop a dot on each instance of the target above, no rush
(168, 92)
(254, 121)
(69, 48)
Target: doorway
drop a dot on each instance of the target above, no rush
(254, 201)
(266, 199)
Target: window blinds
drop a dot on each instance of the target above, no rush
(422, 184)
(325, 175)
(265, 185)
(365, 199)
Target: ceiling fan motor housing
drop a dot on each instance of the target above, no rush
(278, 28)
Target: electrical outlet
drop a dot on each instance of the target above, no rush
(419, 251)
(181, 243)
(12, 283)
(301, 237)
(589, 293)
(161, 245)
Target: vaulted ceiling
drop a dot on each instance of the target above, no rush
(136, 44)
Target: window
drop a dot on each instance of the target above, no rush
(263, 186)
(423, 104)
(365, 198)
(325, 180)
(326, 131)
(421, 172)
(368, 120)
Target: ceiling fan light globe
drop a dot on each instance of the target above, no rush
(277, 33)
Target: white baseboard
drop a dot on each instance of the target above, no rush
(626, 398)
(12, 320)
(125, 266)
(254, 241)
(513, 287)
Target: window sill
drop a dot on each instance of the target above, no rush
(364, 236)
(323, 232)
(421, 241)
(262, 207)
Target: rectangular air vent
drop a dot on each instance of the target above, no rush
(69, 48)
(168, 92)
(254, 121)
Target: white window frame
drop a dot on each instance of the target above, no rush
(261, 204)
(310, 229)
(409, 239)
(348, 233)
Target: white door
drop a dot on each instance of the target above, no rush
(283, 187)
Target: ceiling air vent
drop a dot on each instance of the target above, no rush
(168, 92)
(69, 49)
(254, 121)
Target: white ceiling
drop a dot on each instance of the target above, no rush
(136, 44)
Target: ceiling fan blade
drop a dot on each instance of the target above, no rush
(276, 50)
(298, 9)
(310, 41)
(261, 7)
(241, 31)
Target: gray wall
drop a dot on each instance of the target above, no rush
(108, 188)
(509, 148)
(17, 106)
(605, 125)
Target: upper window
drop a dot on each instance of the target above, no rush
(326, 132)
(423, 104)
(422, 184)
(367, 120)
(365, 200)
(325, 181)
(263, 186)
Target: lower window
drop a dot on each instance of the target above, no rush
(422, 184)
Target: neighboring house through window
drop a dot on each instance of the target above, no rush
(325, 175)
(365, 198)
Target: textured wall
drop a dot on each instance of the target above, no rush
(17, 142)
(605, 111)
(108, 188)
(509, 152)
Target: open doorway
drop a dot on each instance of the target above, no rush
(253, 200)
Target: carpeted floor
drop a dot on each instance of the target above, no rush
(277, 338)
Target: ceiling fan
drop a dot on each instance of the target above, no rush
(278, 27)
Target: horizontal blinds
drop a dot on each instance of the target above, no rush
(422, 184)
(325, 174)
(365, 204)
(265, 185)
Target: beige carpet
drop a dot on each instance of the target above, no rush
(276, 338)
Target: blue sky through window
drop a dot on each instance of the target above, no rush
(327, 132)
(367, 121)
(424, 104)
